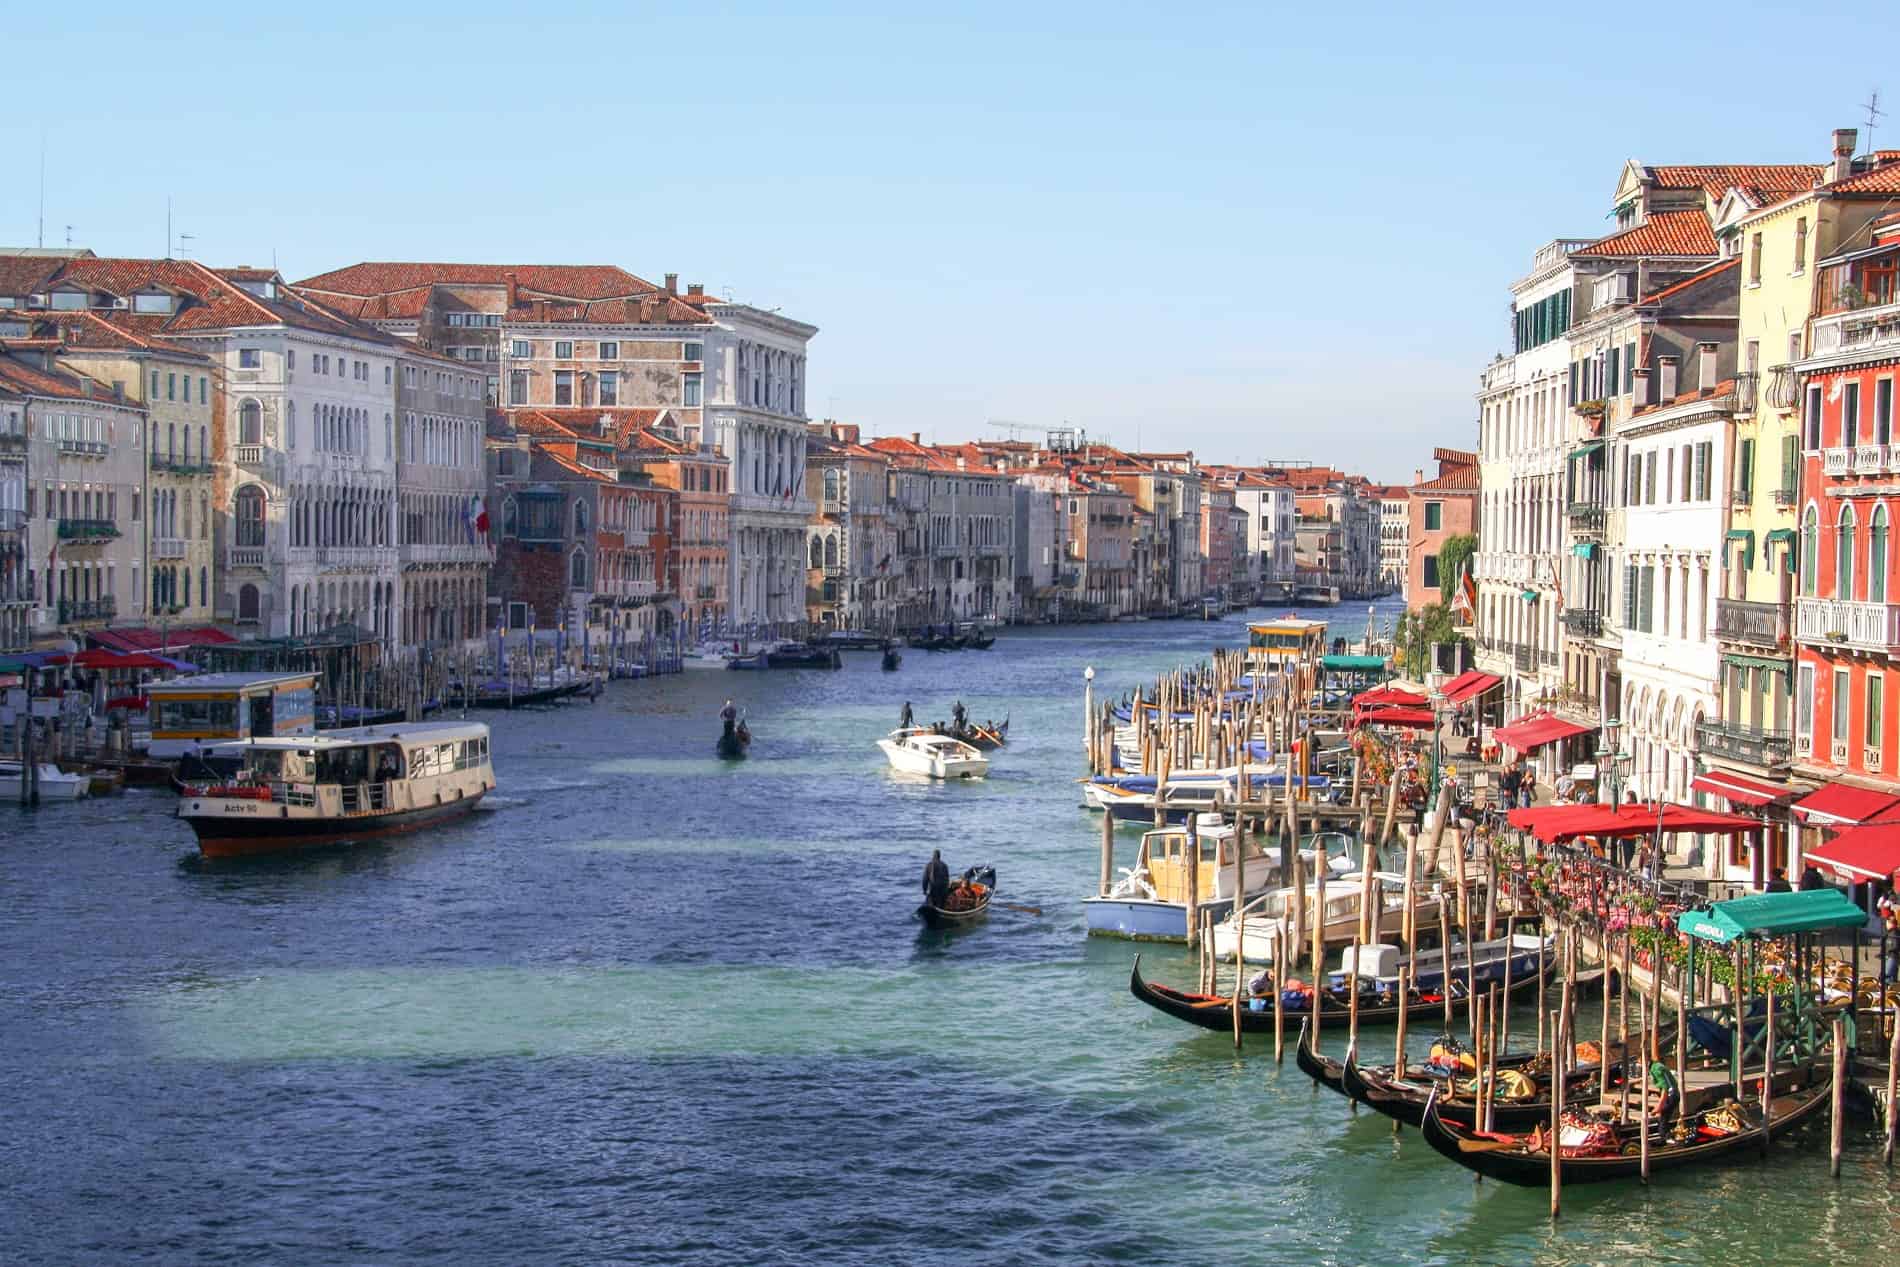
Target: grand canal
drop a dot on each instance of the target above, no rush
(650, 1008)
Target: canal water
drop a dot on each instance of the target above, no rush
(647, 1007)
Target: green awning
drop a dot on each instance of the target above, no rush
(1353, 663)
(1530, 596)
(1584, 549)
(1767, 664)
(1773, 915)
(1588, 448)
(1748, 551)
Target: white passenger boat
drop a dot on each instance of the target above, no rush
(1265, 915)
(55, 783)
(1150, 901)
(918, 751)
(294, 792)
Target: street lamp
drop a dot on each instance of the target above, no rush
(1437, 700)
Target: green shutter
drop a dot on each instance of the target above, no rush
(1745, 470)
(1790, 463)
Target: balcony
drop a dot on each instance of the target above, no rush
(1787, 496)
(84, 448)
(1586, 516)
(250, 456)
(1525, 658)
(706, 592)
(1581, 622)
(1866, 329)
(1827, 622)
(635, 538)
(1746, 385)
(1869, 459)
(1783, 387)
(12, 442)
(168, 547)
(1764, 749)
(180, 466)
(1752, 624)
(1741, 496)
(83, 531)
(1836, 462)
(245, 557)
(74, 609)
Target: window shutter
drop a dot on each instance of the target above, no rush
(1747, 472)
(1648, 613)
(1790, 462)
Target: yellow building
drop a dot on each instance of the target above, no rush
(175, 387)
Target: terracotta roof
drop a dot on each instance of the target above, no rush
(1761, 182)
(1458, 479)
(1664, 233)
(34, 381)
(216, 302)
(559, 281)
(532, 422)
(1458, 457)
(111, 331)
(26, 274)
(1722, 388)
(654, 308)
(585, 423)
(578, 468)
(1695, 278)
(1883, 179)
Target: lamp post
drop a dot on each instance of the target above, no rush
(1437, 700)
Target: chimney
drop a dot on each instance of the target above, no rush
(1418, 475)
(672, 283)
(917, 437)
(1665, 379)
(1639, 392)
(1705, 366)
(514, 290)
(1845, 140)
(696, 289)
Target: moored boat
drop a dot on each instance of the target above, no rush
(968, 900)
(344, 785)
(938, 756)
(1150, 901)
(55, 784)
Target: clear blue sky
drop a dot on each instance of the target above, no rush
(1256, 231)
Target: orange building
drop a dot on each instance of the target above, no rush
(1443, 507)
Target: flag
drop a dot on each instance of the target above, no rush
(1466, 598)
(883, 563)
(476, 517)
(1557, 581)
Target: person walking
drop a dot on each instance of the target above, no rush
(1527, 788)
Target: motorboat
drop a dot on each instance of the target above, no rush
(915, 750)
(1265, 916)
(55, 783)
(707, 655)
(294, 792)
(1150, 901)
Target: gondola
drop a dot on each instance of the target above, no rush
(892, 658)
(1215, 1011)
(980, 641)
(1694, 1139)
(804, 656)
(1322, 1069)
(989, 736)
(1404, 1099)
(734, 741)
(981, 882)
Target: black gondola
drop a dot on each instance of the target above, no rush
(988, 736)
(980, 880)
(892, 658)
(805, 656)
(1321, 1069)
(980, 641)
(1404, 1100)
(1687, 1141)
(734, 741)
(1215, 1011)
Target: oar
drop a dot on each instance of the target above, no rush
(1027, 910)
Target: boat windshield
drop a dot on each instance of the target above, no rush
(266, 763)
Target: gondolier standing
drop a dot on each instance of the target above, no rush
(905, 719)
(936, 880)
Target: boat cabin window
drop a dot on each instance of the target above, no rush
(267, 763)
(210, 716)
(343, 765)
(388, 762)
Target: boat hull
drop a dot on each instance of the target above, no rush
(54, 785)
(1256, 1015)
(219, 836)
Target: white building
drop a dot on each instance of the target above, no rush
(1395, 533)
(1525, 426)
(440, 485)
(755, 411)
(1271, 530)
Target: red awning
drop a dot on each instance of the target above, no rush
(1527, 733)
(1555, 824)
(145, 638)
(1845, 804)
(1737, 789)
(1412, 718)
(1469, 685)
(1866, 853)
(98, 659)
(1388, 695)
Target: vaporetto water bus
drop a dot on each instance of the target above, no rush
(342, 785)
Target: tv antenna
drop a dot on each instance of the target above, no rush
(1874, 115)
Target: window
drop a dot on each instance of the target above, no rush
(564, 387)
(1810, 550)
(1800, 244)
(1790, 467)
(1811, 419)
(249, 514)
(1844, 554)
(692, 351)
(577, 570)
(580, 519)
(250, 423)
(1883, 411)
(689, 389)
(517, 387)
(1704, 462)
(1870, 722)
(563, 350)
(1850, 415)
(249, 359)
(523, 349)
(1649, 478)
(1745, 470)
(1434, 520)
(204, 391)
(1431, 571)
(1754, 260)
(609, 387)
(1877, 556)
(609, 352)
(1804, 701)
(1838, 731)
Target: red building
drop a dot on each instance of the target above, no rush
(1847, 611)
(1441, 508)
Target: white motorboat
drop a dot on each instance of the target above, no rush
(1265, 915)
(707, 655)
(1150, 901)
(918, 751)
(55, 783)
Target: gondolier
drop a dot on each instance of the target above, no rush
(936, 879)
(905, 719)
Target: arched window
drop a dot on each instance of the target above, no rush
(1877, 556)
(831, 484)
(187, 440)
(204, 444)
(577, 570)
(1844, 555)
(248, 510)
(817, 553)
(510, 518)
(184, 575)
(171, 438)
(154, 449)
(204, 587)
(290, 426)
(831, 552)
(247, 602)
(1810, 550)
(580, 518)
(250, 423)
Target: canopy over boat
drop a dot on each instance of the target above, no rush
(1773, 915)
